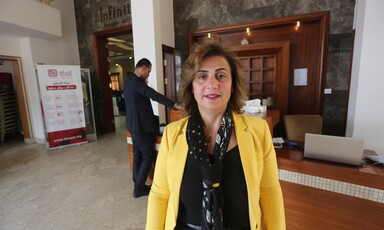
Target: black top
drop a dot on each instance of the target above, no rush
(235, 209)
(139, 113)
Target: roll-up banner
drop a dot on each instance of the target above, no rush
(62, 103)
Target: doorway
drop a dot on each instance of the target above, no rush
(114, 57)
(12, 65)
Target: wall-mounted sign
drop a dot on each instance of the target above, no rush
(300, 77)
(113, 14)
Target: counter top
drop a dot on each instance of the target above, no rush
(365, 175)
(271, 116)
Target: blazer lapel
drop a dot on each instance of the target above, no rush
(181, 153)
(244, 136)
(246, 144)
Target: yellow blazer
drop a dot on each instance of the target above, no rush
(258, 157)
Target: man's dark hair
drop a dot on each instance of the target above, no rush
(143, 62)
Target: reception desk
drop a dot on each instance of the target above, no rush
(324, 195)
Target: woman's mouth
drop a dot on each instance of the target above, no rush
(211, 96)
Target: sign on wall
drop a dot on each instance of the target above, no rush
(62, 103)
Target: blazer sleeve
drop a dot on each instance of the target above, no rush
(271, 198)
(142, 88)
(159, 194)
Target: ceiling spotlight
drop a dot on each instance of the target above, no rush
(297, 25)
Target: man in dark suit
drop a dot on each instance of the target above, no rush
(142, 123)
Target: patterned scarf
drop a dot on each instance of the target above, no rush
(212, 216)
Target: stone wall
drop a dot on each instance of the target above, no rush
(94, 16)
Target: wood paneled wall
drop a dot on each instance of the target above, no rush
(308, 47)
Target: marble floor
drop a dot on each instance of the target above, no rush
(86, 186)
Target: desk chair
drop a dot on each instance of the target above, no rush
(297, 125)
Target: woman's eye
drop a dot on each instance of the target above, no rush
(220, 76)
(201, 77)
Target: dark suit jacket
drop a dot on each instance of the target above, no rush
(139, 113)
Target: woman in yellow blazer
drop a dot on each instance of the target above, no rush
(228, 183)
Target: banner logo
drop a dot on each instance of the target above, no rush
(52, 72)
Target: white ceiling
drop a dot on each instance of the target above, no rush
(120, 47)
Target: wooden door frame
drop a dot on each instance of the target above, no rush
(281, 49)
(169, 75)
(102, 69)
(169, 71)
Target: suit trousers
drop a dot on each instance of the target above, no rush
(143, 156)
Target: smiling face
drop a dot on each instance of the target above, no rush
(212, 84)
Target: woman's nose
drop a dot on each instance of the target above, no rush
(212, 82)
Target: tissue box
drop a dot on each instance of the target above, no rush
(255, 109)
(253, 106)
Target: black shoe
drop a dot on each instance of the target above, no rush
(141, 192)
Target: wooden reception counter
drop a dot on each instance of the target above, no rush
(366, 175)
(324, 195)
